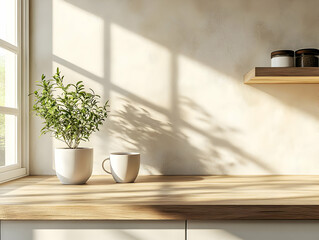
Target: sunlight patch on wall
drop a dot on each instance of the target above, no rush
(78, 37)
(197, 84)
(140, 66)
(216, 127)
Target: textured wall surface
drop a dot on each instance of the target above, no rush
(173, 71)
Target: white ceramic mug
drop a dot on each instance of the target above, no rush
(124, 166)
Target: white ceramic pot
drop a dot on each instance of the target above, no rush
(73, 166)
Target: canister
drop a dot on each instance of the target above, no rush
(307, 57)
(282, 58)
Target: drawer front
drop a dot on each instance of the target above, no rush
(92, 230)
(253, 230)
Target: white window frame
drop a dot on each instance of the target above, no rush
(21, 168)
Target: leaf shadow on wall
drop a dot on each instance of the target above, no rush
(168, 149)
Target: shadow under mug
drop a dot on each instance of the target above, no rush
(124, 166)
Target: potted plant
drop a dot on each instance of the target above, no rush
(71, 115)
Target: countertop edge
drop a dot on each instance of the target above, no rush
(159, 212)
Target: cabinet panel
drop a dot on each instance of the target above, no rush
(253, 230)
(89, 230)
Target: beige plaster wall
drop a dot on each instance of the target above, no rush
(173, 71)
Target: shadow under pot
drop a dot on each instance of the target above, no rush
(307, 57)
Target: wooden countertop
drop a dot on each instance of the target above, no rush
(162, 198)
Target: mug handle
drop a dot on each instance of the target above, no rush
(104, 167)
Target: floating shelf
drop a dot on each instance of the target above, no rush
(282, 75)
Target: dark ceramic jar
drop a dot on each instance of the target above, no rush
(307, 57)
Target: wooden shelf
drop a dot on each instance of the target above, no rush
(277, 75)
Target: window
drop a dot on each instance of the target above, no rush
(13, 88)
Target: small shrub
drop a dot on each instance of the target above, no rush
(70, 114)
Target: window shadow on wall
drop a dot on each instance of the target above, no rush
(165, 145)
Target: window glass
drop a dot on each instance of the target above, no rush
(8, 21)
(8, 139)
(8, 78)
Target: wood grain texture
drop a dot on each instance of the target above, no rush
(273, 75)
(162, 198)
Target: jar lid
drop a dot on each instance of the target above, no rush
(307, 51)
(288, 53)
